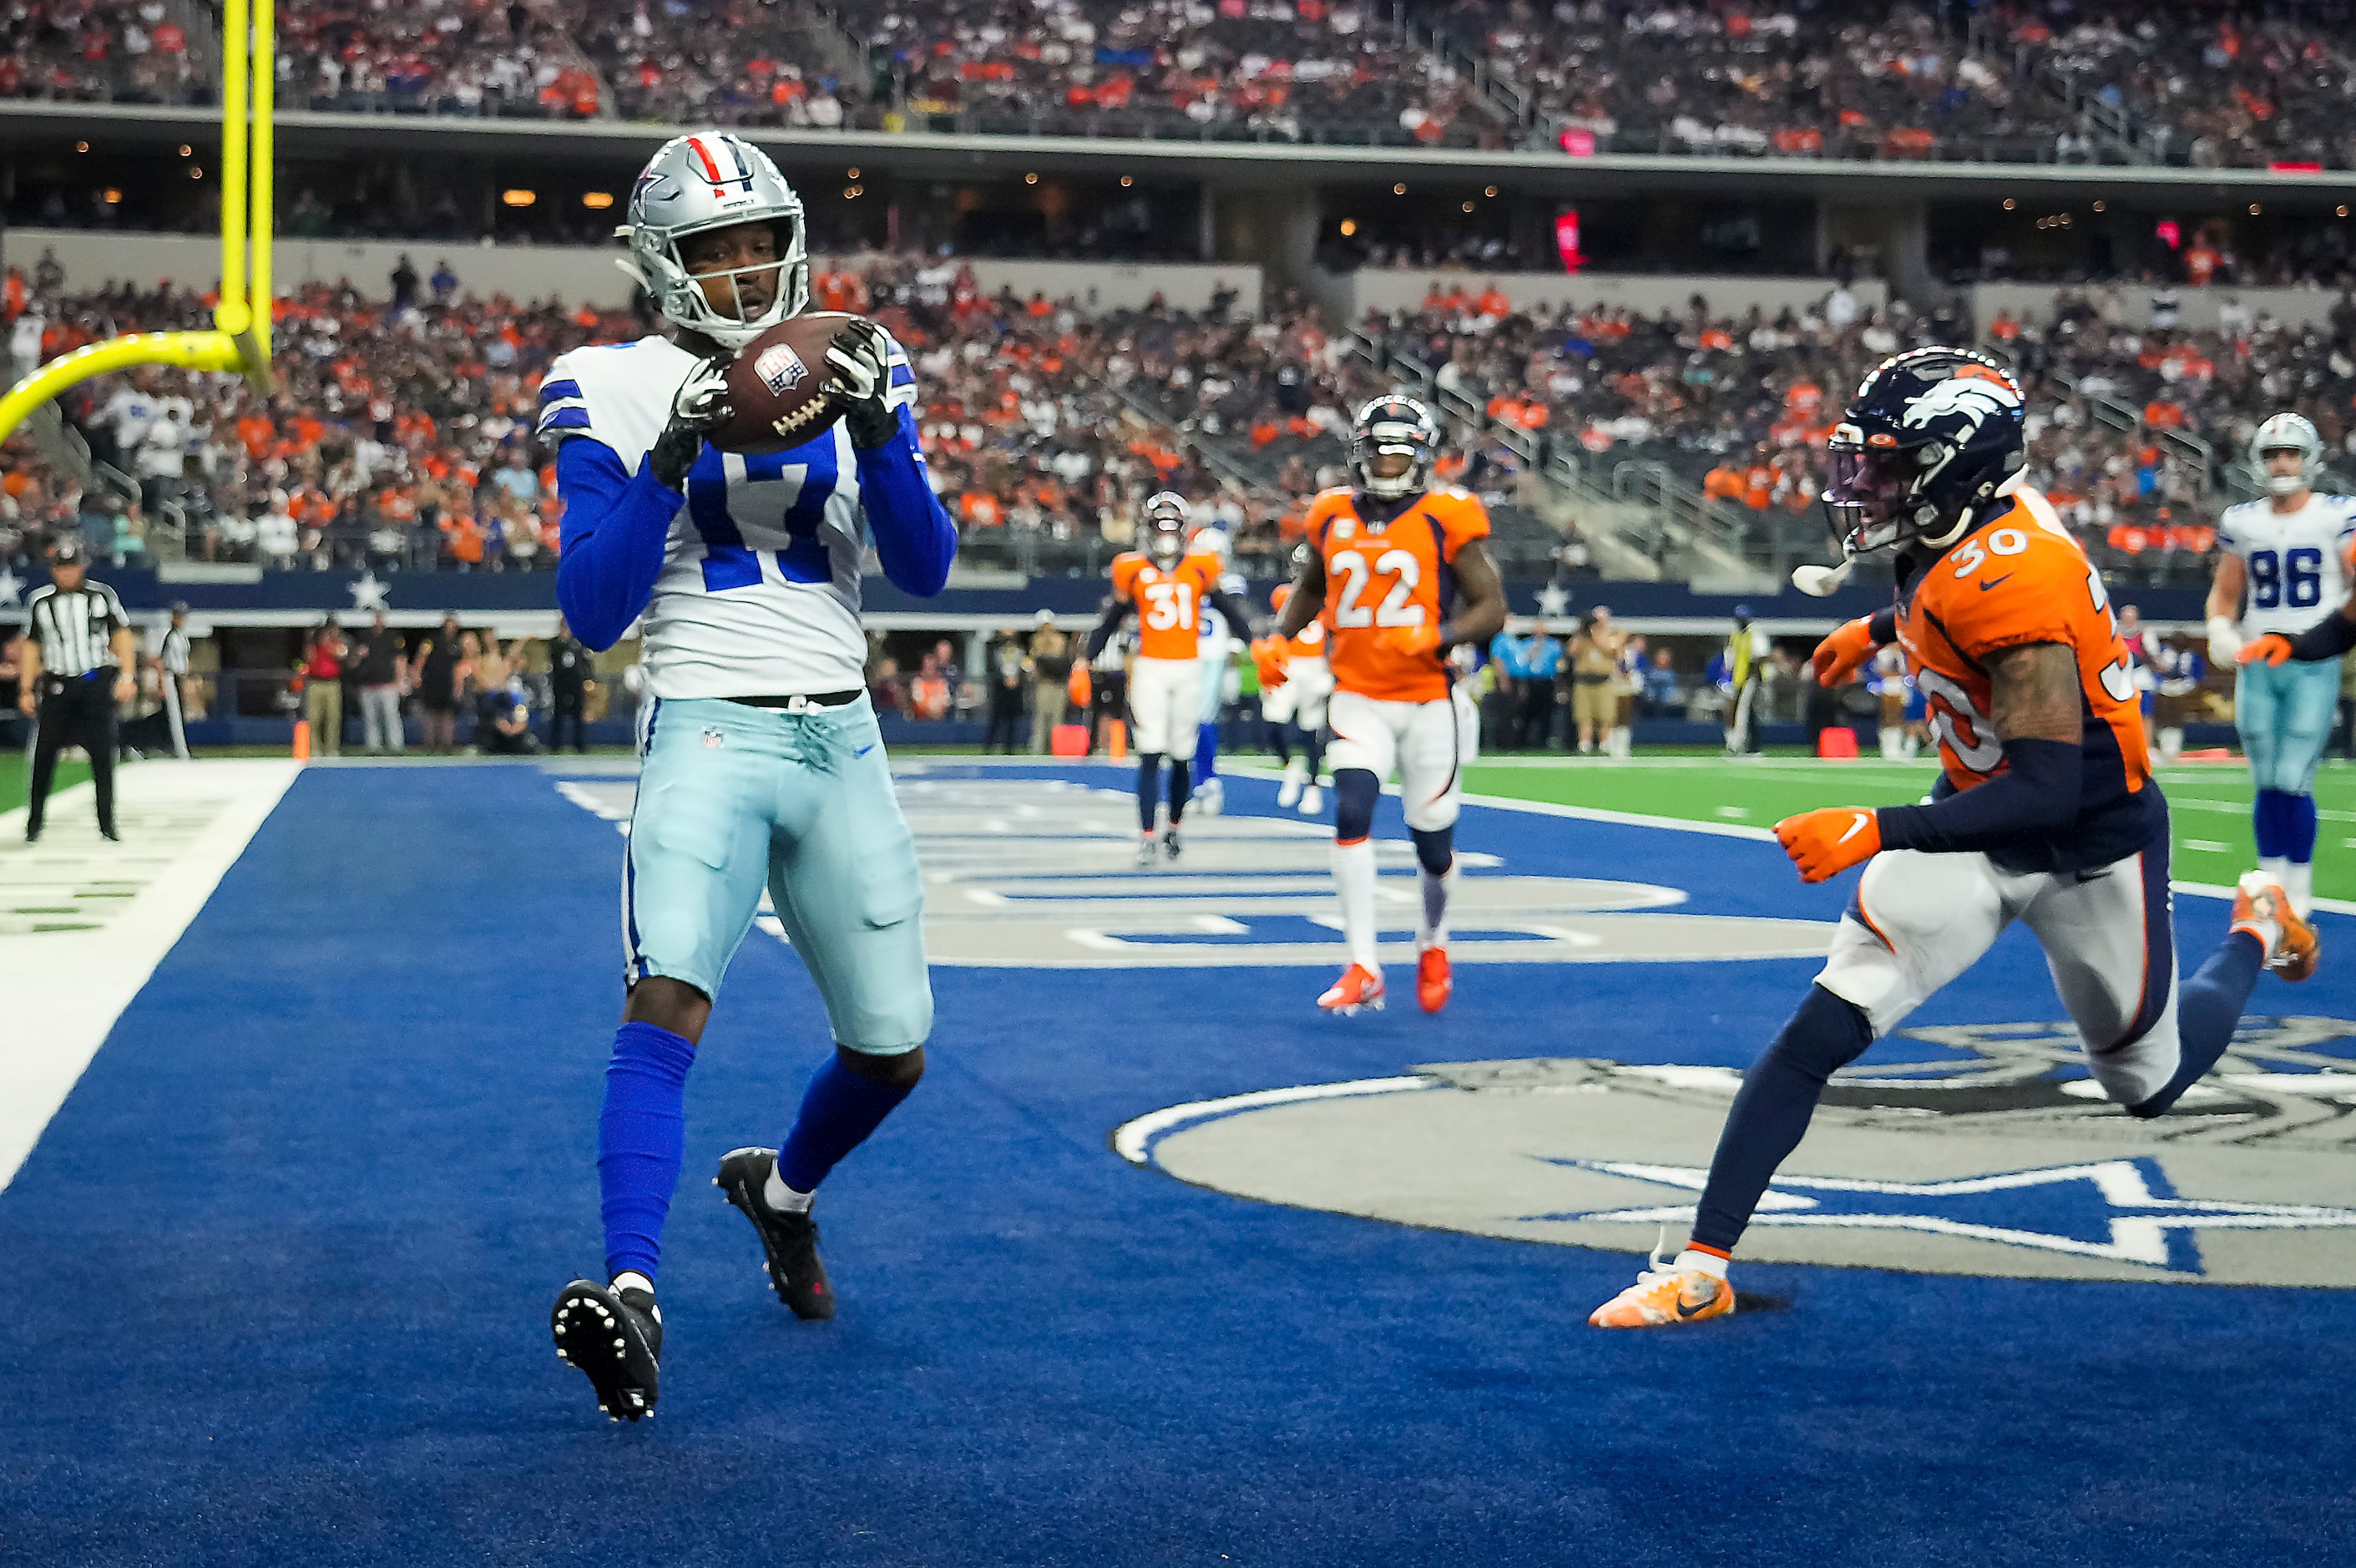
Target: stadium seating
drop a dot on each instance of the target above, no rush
(2209, 85)
(1843, 80)
(96, 51)
(390, 444)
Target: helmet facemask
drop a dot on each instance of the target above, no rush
(701, 185)
(730, 321)
(1393, 427)
(1165, 529)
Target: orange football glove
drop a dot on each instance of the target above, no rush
(1826, 842)
(2273, 648)
(1845, 652)
(1268, 657)
(1412, 641)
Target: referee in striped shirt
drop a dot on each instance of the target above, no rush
(78, 663)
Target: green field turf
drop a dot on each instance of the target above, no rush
(2209, 805)
(15, 765)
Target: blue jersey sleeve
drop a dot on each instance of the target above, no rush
(615, 528)
(914, 539)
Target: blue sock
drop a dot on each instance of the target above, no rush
(2267, 825)
(838, 1109)
(1772, 1110)
(2298, 828)
(2208, 1009)
(641, 1133)
(1207, 753)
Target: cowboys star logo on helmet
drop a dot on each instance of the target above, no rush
(711, 180)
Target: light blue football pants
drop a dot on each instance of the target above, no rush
(2285, 713)
(732, 798)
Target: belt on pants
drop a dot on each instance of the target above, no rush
(801, 701)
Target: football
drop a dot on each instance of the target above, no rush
(777, 386)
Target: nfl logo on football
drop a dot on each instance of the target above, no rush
(780, 369)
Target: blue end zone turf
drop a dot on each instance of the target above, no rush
(282, 1267)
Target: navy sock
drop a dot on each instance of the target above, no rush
(838, 1109)
(2266, 825)
(1279, 740)
(1149, 787)
(1314, 742)
(2208, 1008)
(1772, 1110)
(2298, 828)
(1180, 786)
(641, 1132)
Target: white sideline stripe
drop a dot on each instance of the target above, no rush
(66, 988)
(1131, 1139)
(1730, 831)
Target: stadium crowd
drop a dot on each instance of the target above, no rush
(122, 51)
(2208, 84)
(401, 435)
(2213, 85)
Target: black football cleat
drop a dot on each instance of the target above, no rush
(614, 1337)
(788, 1240)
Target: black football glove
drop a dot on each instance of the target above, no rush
(861, 375)
(701, 405)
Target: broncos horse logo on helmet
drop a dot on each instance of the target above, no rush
(1165, 527)
(1392, 424)
(1931, 435)
(698, 183)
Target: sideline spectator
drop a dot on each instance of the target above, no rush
(323, 689)
(377, 670)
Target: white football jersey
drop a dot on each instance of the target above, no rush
(759, 591)
(2296, 560)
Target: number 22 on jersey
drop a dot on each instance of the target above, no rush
(1380, 595)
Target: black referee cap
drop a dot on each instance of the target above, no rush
(66, 552)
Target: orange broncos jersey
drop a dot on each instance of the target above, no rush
(1169, 604)
(2022, 579)
(1391, 574)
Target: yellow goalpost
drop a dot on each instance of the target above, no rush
(239, 341)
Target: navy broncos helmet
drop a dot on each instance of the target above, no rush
(1165, 527)
(1394, 424)
(1931, 435)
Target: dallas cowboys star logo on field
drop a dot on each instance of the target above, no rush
(368, 594)
(2121, 1209)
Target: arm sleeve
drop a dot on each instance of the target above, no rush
(1115, 613)
(915, 539)
(1233, 612)
(2034, 796)
(2330, 637)
(1883, 628)
(615, 528)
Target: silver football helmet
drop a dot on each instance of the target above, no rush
(712, 180)
(2286, 432)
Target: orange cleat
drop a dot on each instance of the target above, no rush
(2259, 899)
(1359, 989)
(1664, 1296)
(1433, 981)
